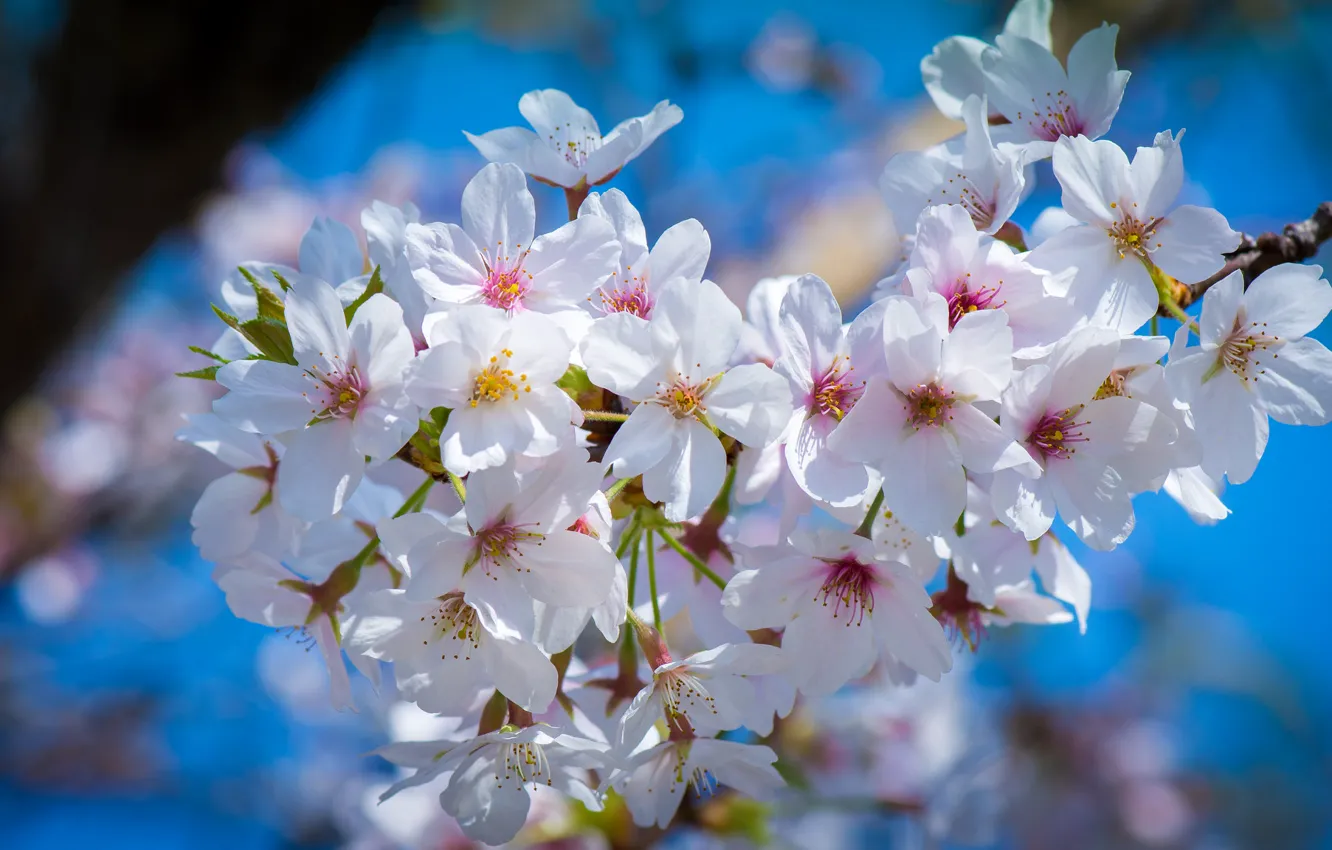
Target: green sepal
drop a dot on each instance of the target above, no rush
(271, 338)
(210, 354)
(270, 305)
(207, 373)
(264, 501)
(434, 423)
(374, 287)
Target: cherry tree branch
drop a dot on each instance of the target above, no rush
(1295, 243)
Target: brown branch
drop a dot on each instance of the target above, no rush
(1294, 244)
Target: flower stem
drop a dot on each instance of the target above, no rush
(459, 488)
(417, 499)
(1166, 296)
(604, 416)
(573, 199)
(694, 560)
(630, 536)
(652, 580)
(614, 490)
(868, 522)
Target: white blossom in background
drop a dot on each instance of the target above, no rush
(237, 513)
(655, 781)
(1042, 101)
(565, 147)
(953, 71)
(261, 590)
(386, 242)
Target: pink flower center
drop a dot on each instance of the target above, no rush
(501, 544)
(963, 299)
(835, 393)
(505, 287)
(849, 588)
(1057, 434)
(929, 405)
(1056, 116)
(636, 301)
(583, 526)
(336, 394)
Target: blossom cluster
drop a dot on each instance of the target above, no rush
(599, 415)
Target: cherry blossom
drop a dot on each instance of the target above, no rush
(237, 513)
(919, 424)
(339, 403)
(496, 373)
(654, 781)
(490, 778)
(565, 147)
(986, 181)
(842, 605)
(511, 545)
(676, 373)
(1027, 85)
(953, 70)
(681, 251)
(1095, 449)
(953, 259)
(817, 359)
(706, 693)
(496, 259)
(1254, 362)
(1132, 226)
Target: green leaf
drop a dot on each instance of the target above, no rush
(282, 281)
(207, 373)
(374, 287)
(206, 353)
(271, 338)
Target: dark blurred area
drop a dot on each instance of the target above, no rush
(147, 147)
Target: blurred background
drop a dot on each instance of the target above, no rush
(146, 148)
